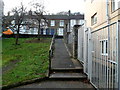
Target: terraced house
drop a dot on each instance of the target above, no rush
(101, 43)
(57, 24)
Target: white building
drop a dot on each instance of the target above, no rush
(1, 15)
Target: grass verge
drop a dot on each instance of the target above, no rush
(26, 61)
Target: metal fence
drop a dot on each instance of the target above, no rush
(100, 55)
(81, 44)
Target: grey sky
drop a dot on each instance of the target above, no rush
(52, 6)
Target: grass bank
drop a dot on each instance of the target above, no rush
(25, 61)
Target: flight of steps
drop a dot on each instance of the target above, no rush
(68, 73)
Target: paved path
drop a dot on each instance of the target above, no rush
(61, 57)
(63, 79)
(58, 85)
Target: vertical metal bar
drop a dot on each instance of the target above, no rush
(95, 63)
(112, 38)
(108, 57)
(108, 22)
(115, 56)
(103, 70)
(83, 44)
(85, 51)
(100, 58)
(89, 54)
(118, 54)
(98, 62)
(106, 62)
(94, 60)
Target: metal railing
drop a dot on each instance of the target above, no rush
(51, 50)
(101, 61)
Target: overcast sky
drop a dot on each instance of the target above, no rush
(52, 6)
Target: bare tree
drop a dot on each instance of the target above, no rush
(6, 22)
(19, 15)
(39, 10)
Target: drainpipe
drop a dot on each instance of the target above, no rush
(108, 23)
(118, 48)
(69, 19)
(69, 12)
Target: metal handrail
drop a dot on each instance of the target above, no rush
(51, 50)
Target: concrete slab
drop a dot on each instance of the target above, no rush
(77, 64)
(61, 58)
(68, 75)
(58, 84)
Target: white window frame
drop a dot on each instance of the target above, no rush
(73, 22)
(81, 22)
(52, 23)
(61, 22)
(59, 31)
(94, 19)
(115, 4)
(104, 47)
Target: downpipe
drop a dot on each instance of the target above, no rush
(108, 23)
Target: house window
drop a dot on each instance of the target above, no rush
(61, 22)
(60, 31)
(73, 22)
(94, 19)
(115, 4)
(81, 22)
(104, 47)
(52, 23)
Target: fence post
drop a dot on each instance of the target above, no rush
(89, 54)
(85, 50)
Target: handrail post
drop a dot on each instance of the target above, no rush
(49, 62)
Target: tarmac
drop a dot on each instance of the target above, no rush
(61, 58)
(58, 85)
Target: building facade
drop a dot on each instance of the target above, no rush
(101, 12)
(58, 24)
(99, 41)
(62, 24)
(1, 15)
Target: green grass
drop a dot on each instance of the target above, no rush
(0, 51)
(32, 60)
(0, 60)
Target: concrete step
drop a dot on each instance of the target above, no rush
(57, 75)
(67, 70)
(77, 63)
